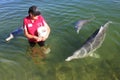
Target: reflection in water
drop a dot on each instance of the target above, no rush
(63, 71)
(38, 54)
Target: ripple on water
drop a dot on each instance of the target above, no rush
(60, 14)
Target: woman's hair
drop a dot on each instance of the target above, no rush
(34, 11)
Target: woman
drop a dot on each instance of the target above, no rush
(31, 23)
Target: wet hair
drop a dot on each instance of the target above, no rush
(34, 11)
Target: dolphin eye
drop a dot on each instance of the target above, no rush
(82, 52)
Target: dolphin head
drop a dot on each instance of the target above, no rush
(77, 29)
(78, 54)
(79, 24)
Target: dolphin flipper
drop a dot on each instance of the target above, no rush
(95, 55)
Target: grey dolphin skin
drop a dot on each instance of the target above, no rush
(91, 44)
(81, 23)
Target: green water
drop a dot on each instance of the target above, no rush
(16, 64)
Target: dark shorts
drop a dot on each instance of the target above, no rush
(41, 43)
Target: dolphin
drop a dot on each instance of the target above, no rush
(80, 23)
(91, 44)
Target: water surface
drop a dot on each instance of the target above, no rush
(16, 64)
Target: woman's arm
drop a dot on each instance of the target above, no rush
(29, 36)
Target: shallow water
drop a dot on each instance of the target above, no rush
(17, 64)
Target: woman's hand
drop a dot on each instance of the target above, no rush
(44, 38)
(37, 39)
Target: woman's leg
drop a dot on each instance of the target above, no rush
(41, 43)
(32, 44)
(45, 49)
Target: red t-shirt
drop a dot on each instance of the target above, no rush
(33, 26)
